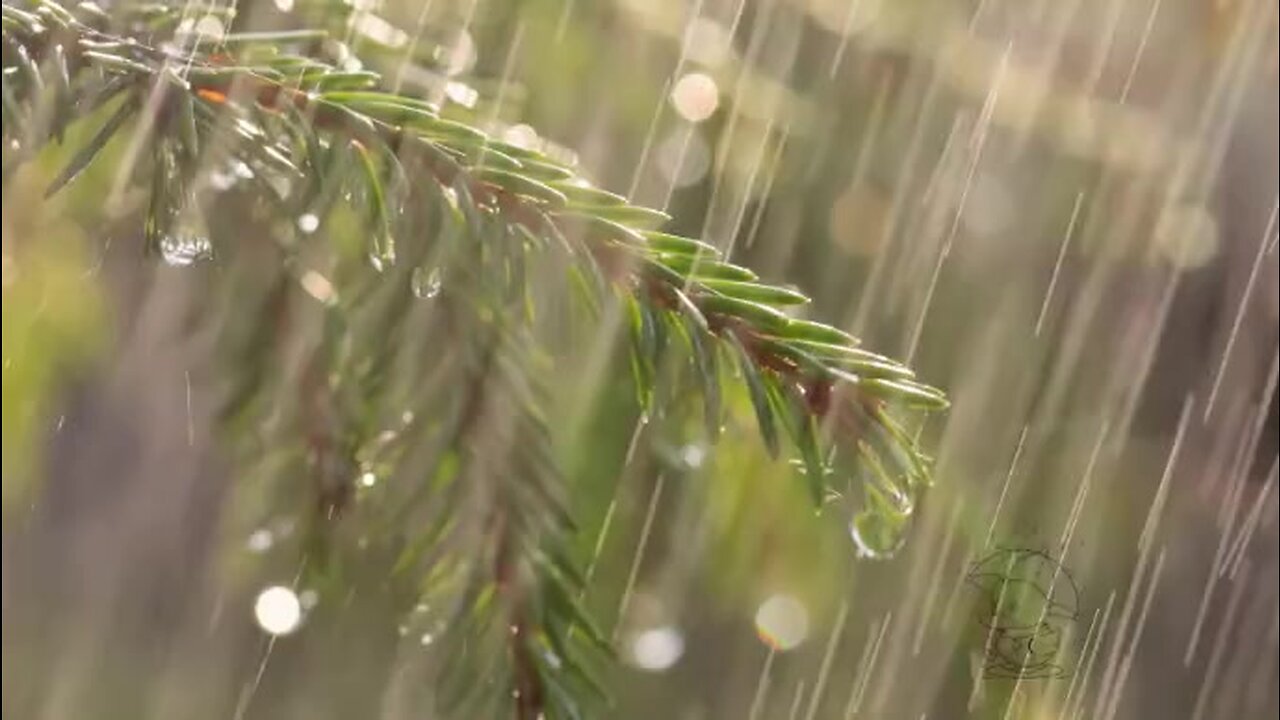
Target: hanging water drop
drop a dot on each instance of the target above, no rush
(693, 456)
(427, 283)
(183, 249)
(308, 222)
(260, 540)
(876, 535)
(278, 610)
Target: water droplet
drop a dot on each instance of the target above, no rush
(247, 130)
(553, 660)
(693, 456)
(210, 27)
(876, 535)
(260, 540)
(278, 610)
(782, 622)
(521, 136)
(459, 57)
(284, 5)
(427, 283)
(184, 250)
(368, 479)
(221, 180)
(695, 97)
(308, 222)
(308, 599)
(241, 169)
(683, 157)
(657, 648)
(318, 287)
(461, 93)
(427, 639)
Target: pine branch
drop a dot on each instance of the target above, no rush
(277, 104)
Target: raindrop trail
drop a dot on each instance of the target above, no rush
(754, 47)
(991, 633)
(1151, 345)
(1088, 639)
(1251, 523)
(869, 654)
(953, 597)
(1157, 504)
(246, 697)
(850, 14)
(649, 137)
(1093, 655)
(762, 685)
(751, 183)
(1077, 507)
(667, 85)
(562, 24)
(1215, 572)
(639, 556)
(191, 423)
(1240, 469)
(508, 66)
(1103, 52)
(828, 656)
(978, 142)
(1235, 326)
(1057, 266)
(1013, 465)
(758, 215)
(1220, 645)
(1142, 48)
(607, 523)
(690, 129)
(897, 210)
(1130, 602)
(1271, 225)
(412, 46)
(796, 701)
(935, 579)
(1127, 664)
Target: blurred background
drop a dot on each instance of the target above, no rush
(1063, 213)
